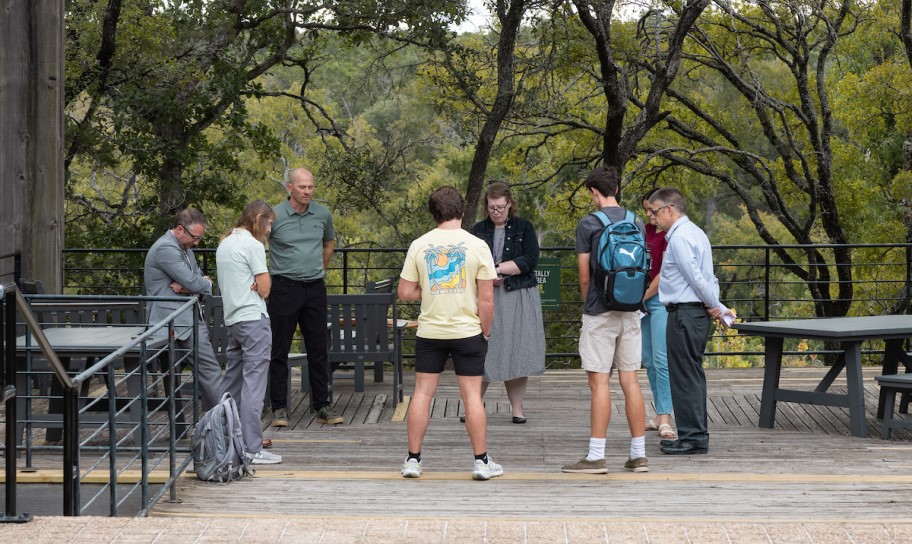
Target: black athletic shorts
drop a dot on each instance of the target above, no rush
(468, 355)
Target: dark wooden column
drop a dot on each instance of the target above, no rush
(31, 137)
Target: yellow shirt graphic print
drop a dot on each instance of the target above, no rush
(447, 263)
(446, 268)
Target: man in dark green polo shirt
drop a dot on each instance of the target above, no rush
(300, 248)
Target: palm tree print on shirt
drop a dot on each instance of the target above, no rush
(446, 268)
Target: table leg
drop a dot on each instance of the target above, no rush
(771, 372)
(855, 385)
(56, 403)
(22, 411)
(831, 374)
(885, 428)
(893, 354)
(397, 370)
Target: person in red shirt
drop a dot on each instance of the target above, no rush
(655, 357)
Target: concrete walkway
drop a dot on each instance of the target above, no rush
(160, 530)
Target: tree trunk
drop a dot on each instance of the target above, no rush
(171, 190)
(619, 141)
(510, 19)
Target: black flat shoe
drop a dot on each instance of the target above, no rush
(519, 420)
(462, 419)
(684, 448)
(668, 442)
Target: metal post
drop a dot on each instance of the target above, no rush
(345, 272)
(70, 451)
(8, 363)
(909, 279)
(766, 284)
(17, 268)
(112, 441)
(171, 391)
(144, 425)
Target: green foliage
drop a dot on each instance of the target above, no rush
(370, 97)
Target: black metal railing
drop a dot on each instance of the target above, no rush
(130, 431)
(8, 292)
(755, 280)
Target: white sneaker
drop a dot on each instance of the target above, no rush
(411, 468)
(486, 471)
(263, 457)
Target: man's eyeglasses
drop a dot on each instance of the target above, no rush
(653, 211)
(498, 209)
(191, 235)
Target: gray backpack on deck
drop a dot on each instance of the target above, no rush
(218, 445)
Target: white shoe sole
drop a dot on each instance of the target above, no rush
(585, 470)
(482, 476)
(265, 461)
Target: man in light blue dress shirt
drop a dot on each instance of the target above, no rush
(690, 291)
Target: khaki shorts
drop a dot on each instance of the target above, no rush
(611, 339)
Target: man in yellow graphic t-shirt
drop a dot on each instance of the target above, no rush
(452, 273)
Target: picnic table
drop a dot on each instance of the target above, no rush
(93, 342)
(849, 332)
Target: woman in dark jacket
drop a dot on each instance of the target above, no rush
(516, 349)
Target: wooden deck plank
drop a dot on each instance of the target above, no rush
(825, 421)
(453, 409)
(375, 410)
(438, 406)
(740, 416)
(792, 472)
(356, 411)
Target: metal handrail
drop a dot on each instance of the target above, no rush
(8, 293)
(142, 451)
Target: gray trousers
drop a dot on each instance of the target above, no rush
(248, 351)
(206, 370)
(685, 337)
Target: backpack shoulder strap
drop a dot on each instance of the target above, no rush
(603, 217)
(630, 216)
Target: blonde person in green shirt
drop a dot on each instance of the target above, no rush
(245, 284)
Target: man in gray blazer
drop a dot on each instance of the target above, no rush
(170, 271)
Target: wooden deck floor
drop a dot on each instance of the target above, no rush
(807, 468)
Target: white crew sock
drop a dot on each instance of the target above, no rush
(638, 447)
(597, 449)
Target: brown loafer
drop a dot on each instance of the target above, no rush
(267, 442)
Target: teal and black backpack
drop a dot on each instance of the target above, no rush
(621, 264)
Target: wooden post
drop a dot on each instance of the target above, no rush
(31, 138)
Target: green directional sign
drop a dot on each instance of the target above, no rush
(548, 274)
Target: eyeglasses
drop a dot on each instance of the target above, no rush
(654, 211)
(498, 209)
(191, 235)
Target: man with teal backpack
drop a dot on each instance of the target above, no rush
(621, 271)
(613, 273)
